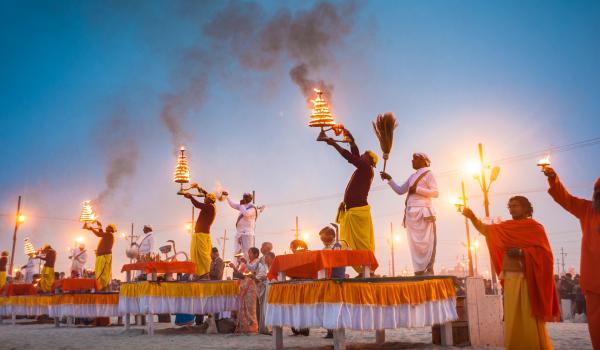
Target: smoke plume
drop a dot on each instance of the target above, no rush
(117, 139)
(246, 34)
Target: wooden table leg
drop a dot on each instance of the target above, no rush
(56, 322)
(366, 271)
(446, 333)
(339, 339)
(380, 336)
(150, 324)
(13, 319)
(278, 337)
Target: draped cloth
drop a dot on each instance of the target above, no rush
(420, 230)
(530, 236)
(47, 279)
(357, 229)
(246, 321)
(521, 329)
(103, 270)
(2, 279)
(200, 252)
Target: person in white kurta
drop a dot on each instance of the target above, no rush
(245, 224)
(146, 245)
(29, 269)
(79, 258)
(419, 215)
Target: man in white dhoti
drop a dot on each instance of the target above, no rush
(79, 258)
(245, 224)
(146, 246)
(419, 214)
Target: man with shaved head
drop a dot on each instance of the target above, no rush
(588, 213)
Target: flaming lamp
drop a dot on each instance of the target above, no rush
(29, 249)
(458, 202)
(544, 162)
(87, 214)
(182, 174)
(321, 117)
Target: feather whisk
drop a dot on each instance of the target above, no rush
(384, 126)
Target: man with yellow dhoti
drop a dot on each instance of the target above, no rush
(201, 245)
(3, 262)
(103, 268)
(519, 248)
(354, 213)
(47, 279)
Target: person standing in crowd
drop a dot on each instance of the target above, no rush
(419, 214)
(247, 320)
(327, 235)
(245, 224)
(201, 244)
(79, 258)
(519, 248)
(216, 265)
(47, 279)
(265, 248)
(263, 290)
(103, 267)
(3, 262)
(354, 213)
(588, 213)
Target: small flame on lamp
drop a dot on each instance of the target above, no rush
(544, 162)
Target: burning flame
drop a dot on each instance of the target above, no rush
(321, 115)
(544, 162)
(87, 214)
(182, 170)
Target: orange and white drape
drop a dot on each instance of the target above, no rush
(361, 305)
(176, 297)
(75, 305)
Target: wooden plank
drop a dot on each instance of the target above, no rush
(446, 332)
(278, 337)
(380, 336)
(339, 339)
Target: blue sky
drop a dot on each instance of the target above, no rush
(520, 77)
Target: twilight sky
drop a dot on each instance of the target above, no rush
(83, 86)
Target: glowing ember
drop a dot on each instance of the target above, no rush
(182, 171)
(87, 214)
(29, 249)
(321, 116)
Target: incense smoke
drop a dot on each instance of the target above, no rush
(260, 42)
(120, 146)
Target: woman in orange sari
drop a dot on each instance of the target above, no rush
(246, 318)
(520, 250)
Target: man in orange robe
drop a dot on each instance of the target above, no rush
(588, 213)
(520, 250)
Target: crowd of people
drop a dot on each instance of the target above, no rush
(519, 248)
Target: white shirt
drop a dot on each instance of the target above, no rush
(147, 244)
(246, 222)
(426, 189)
(79, 260)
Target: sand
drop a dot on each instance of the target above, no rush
(46, 336)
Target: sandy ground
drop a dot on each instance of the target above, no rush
(46, 336)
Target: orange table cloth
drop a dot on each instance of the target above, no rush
(307, 264)
(20, 289)
(79, 284)
(161, 267)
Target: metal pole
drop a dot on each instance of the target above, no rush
(14, 242)
(486, 206)
(393, 261)
(193, 227)
(464, 197)
(131, 242)
(297, 231)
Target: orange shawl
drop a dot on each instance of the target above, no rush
(530, 236)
